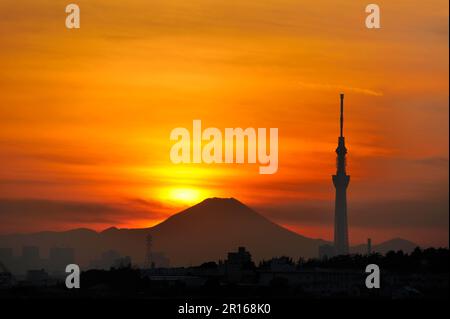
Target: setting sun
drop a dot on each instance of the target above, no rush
(184, 195)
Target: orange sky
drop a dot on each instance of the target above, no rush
(86, 114)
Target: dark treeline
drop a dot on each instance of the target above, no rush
(421, 273)
(434, 260)
(427, 261)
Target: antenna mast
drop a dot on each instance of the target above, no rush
(342, 114)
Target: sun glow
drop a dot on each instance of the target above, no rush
(183, 195)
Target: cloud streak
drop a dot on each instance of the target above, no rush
(25, 215)
(340, 88)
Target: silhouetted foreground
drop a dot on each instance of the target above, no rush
(421, 274)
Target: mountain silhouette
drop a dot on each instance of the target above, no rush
(204, 232)
(210, 229)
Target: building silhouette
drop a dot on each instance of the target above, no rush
(340, 182)
(239, 265)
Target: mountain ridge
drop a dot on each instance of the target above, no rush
(203, 232)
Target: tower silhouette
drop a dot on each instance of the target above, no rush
(340, 181)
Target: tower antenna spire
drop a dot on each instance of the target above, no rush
(340, 182)
(342, 114)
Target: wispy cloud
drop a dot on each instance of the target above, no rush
(339, 87)
(43, 214)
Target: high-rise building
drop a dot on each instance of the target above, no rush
(341, 181)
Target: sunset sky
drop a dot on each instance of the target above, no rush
(85, 115)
